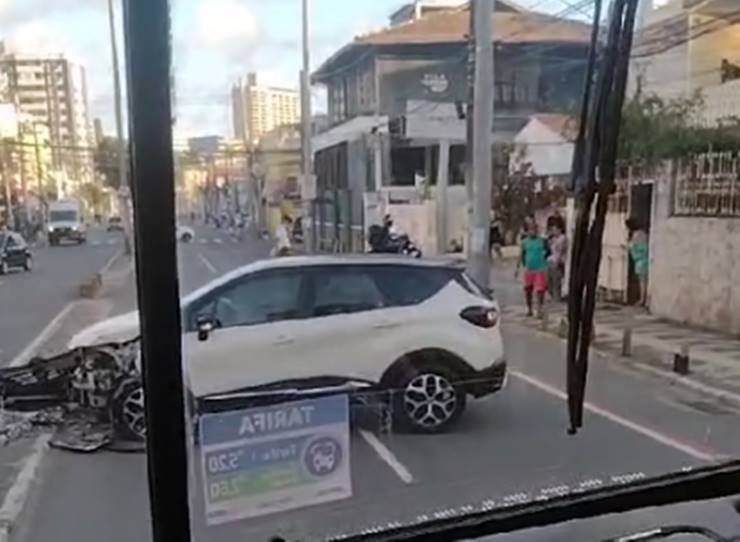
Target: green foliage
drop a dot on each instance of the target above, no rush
(106, 162)
(655, 129)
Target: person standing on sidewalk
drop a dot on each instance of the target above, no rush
(640, 254)
(558, 242)
(496, 239)
(535, 251)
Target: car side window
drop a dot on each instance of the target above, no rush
(339, 290)
(406, 285)
(255, 300)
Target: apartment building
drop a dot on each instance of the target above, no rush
(258, 109)
(52, 91)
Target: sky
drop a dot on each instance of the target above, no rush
(214, 42)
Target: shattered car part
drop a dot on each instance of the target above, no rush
(93, 395)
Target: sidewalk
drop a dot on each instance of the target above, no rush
(714, 357)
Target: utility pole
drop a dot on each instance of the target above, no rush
(123, 192)
(479, 257)
(9, 222)
(308, 185)
(469, 126)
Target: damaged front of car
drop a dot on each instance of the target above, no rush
(91, 392)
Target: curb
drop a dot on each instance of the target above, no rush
(685, 381)
(17, 496)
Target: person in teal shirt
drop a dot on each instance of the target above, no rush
(640, 254)
(535, 251)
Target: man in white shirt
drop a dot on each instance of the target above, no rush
(283, 246)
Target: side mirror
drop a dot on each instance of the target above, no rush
(205, 325)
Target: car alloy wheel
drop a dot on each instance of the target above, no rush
(430, 401)
(129, 410)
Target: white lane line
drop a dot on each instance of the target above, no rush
(387, 456)
(218, 240)
(17, 495)
(209, 265)
(42, 337)
(624, 422)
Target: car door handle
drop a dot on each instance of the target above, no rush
(386, 325)
(283, 340)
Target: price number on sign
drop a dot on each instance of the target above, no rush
(224, 462)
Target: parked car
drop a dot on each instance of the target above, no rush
(14, 252)
(421, 330)
(184, 233)
(115, 223)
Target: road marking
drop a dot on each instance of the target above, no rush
(624, 422)
(203, 241)
(17, 495)
(112, 241)
(387, 456)
(218, 240)
(94, 243)
(42, 337)
(209, 265)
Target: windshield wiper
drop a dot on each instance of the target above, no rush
(596, 154)
(660, 533)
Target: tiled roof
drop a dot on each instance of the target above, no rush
(451, 27)
(508, 27)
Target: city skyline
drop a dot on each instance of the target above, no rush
(214, 43)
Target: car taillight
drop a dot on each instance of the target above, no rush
(480, 316)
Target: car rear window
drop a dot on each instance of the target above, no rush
(407, 285)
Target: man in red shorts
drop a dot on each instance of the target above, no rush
(535, 251)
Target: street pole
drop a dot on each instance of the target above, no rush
(469, 127)
(307, 194)
(479, 257)
(6, 185)
(123, 193)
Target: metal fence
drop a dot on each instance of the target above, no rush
(708, 185)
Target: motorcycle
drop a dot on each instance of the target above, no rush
(384, 241)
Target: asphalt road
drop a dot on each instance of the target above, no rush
(507, 448)
(29, 301)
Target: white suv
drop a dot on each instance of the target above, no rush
(419, 328)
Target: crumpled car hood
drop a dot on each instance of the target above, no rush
(118, 329)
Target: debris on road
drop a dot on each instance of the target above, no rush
(92, 395)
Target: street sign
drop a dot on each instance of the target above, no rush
(271, 459)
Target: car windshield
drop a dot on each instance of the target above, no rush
(62, 216)
(429, 260)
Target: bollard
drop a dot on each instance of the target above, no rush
(627, 335)
(544, 317)
(681, 360)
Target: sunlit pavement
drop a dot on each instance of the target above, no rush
(508, 448)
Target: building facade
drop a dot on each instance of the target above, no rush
(396, 100)
(688, 46)
(52, 91)
(258, 109)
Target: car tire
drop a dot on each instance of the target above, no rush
(3, 267)
(427, 399)
(128, 410)
(186, 238)
(28, 263)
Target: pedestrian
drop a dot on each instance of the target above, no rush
(496, 239)
(283, 246)
(639, 252)
(558, 243)
(534, 253)
(555, 220)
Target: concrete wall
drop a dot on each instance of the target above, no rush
(695, 265)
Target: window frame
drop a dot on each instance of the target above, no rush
(316, 270)
(192, 310)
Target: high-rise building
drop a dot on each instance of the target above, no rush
(52, 91)
(259, 109)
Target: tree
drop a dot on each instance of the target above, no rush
(655, 129)
(513, 195)
(106, 162)
(94, 196)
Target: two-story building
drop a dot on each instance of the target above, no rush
(396, 102)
